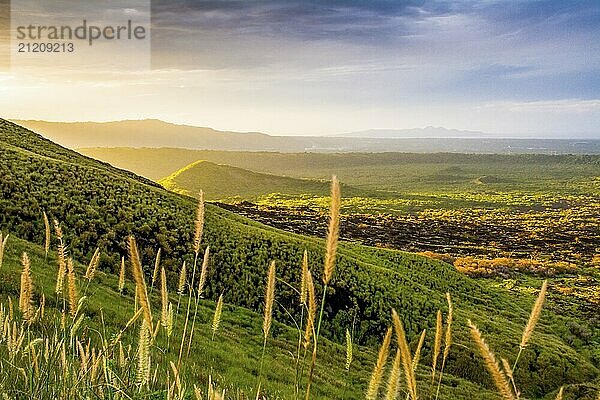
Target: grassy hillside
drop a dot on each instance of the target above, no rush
(100, 205)
(220, 181)
(397, 172)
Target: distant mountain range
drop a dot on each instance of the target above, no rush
(156, 133)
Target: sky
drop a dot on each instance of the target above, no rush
(510, 68)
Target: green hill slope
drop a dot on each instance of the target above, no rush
(232, 357)
(100, 205)
(220, 181)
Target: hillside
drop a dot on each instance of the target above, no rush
(235, 346)
(221, 181)
(100, 205)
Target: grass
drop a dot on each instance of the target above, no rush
(224, 181)
(100, 205)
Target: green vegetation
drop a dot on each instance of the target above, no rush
(231, 358)
(100, 205)
(224, 181)
(400, 173)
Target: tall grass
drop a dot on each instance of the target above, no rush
(60, 355)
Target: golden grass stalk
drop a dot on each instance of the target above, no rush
(409, 373)
(559, 396)
(2, 246)
(90, 272)
(203, 271)
(143, 367)
(417, 355)
(394, 379)
(140, 282)
(164, 297)
(447, 340)
(26, 294)
(498, 377)
(122, 275)
(73, 301)
(269, 299)
(333, 231)
(47, 232)
(62, 259)
(199, 223)
(437, 343)
(312, 310)
(375, 380)
(535, 316)
(169, 327)
(448, 337)
(303, 287)
(182, 279)
(156, 266)
(348, 350)
(131, 321)
(217, 317)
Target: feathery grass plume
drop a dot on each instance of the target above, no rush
(447, 342)
(375, 380)
(122, 275)
(559, 396)
(164, 297)
(417, 355)
(269, 299)
(90, 272)
(348, 350)
(437, 343)
(169, 326)
(394, 379)
(62, 259)
(2, 245)
(535, 316)
(448, 336)
(199, 223)
(334, 230)
(143, 367)
(499, 378)
(217, 317)
(303, 287)
(140, 281)
(312, 309)
(533, 319)
(409, 373)
(509, 373)
(182, 279)
(72, 288)
(156, 267)
(47, 233)
(42, 308)
(203, 271)
(26, 295)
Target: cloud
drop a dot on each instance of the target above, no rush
(577, 106)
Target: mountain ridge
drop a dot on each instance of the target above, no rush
(155, 133)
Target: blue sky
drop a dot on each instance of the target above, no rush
(528, 68)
